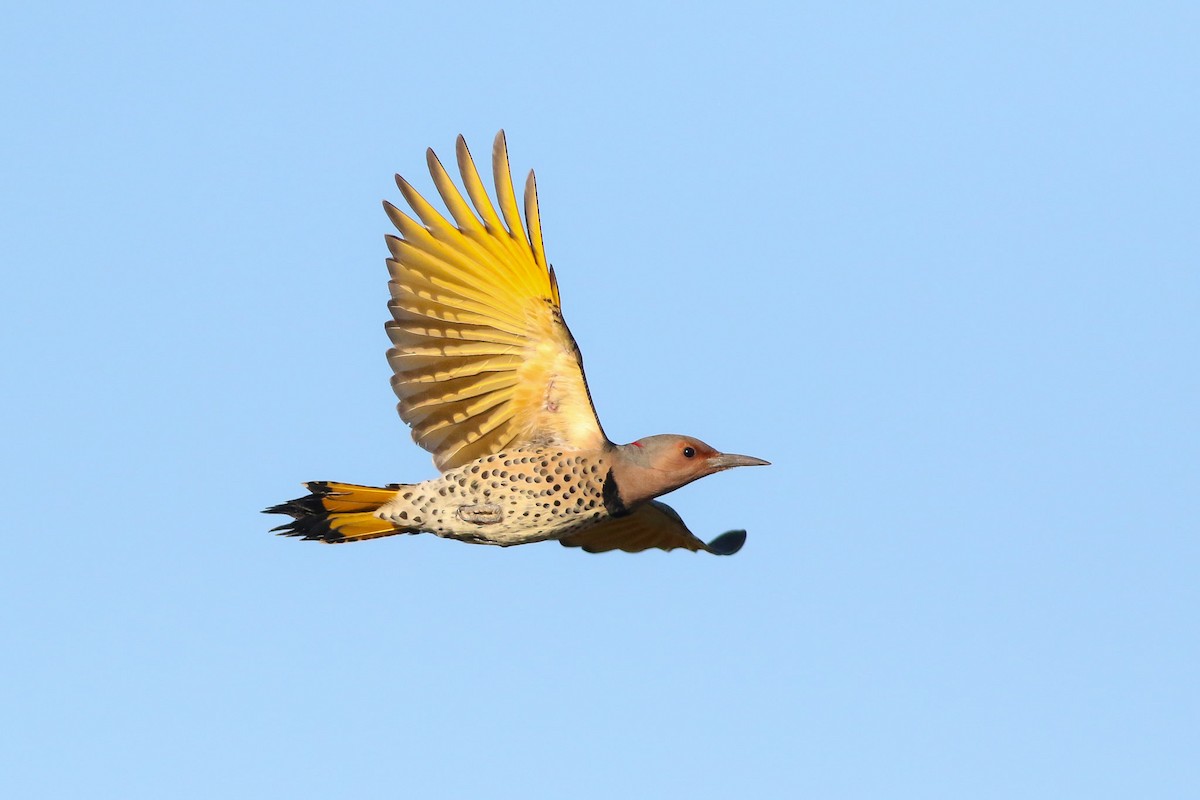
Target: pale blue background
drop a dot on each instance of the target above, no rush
(937, 262)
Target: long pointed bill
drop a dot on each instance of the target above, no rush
(729, 460)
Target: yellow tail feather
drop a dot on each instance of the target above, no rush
(337, 512)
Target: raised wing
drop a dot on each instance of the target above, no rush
(483, 361)
(653, 525)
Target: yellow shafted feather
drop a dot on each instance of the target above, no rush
(482, 360)
(351, 497)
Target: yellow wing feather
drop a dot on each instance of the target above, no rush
(482, 359)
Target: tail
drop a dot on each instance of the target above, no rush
(337, 512)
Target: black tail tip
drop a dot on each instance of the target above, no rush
(310, 520)
(312, 528)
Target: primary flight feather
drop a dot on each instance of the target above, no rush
(491, 381)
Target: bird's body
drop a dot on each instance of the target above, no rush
(515, 497)
(491, 381)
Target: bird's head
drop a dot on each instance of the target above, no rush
(659, 464)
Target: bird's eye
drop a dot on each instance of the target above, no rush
(689, 452)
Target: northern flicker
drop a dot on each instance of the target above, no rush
(491, 381)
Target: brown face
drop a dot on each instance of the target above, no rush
(657, 464)
(687, 455)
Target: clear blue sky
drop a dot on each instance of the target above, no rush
(939, 264)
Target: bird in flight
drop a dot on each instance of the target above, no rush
(491, 381)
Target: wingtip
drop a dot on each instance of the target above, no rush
(500, 150)
(727, 543)
(462, 151)
(432, 160)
